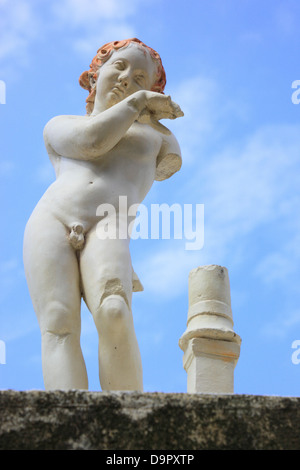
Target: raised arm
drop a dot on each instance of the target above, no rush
(89, 137)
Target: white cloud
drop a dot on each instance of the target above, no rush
(20, 327)
(11, 272)
(99, 21)
(285, 20)
(279, 266)
(247, 187)
(9, 266)
(165, 272)
(88, 43)
(6, 168)
(250, 184)
(21, 322)
(253, 37)
(91, 12)
(19, 26)
(208, 112)
(198, 98)
(45, 173)
(93, 21)
(282, 327)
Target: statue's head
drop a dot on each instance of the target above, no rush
(88, 79)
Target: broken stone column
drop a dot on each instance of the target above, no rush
(211, 347)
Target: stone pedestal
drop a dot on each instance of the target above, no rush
(131, 421)
(211, 347)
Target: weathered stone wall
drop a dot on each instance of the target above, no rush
(152, 421)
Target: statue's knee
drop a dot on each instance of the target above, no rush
(113, 313)
(58, 320)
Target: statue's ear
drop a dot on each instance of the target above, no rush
(92, 76)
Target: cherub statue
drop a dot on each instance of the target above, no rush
(118, 148)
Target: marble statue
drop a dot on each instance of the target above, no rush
(118, 148)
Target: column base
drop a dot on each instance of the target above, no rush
(210, 364)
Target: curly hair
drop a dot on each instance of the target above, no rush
(103, 54)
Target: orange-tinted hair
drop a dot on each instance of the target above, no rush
(103, 54)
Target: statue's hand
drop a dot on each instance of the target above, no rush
(158, 106)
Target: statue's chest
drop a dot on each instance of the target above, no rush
(140, 140)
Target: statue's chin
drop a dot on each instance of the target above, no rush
(114, 98)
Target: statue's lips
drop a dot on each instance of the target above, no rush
(118, 90)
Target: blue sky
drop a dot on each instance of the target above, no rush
(230, 65)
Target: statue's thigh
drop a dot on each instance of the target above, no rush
(106, 269)
(51, 265)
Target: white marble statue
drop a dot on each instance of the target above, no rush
(117, 149)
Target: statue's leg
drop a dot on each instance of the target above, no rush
(106, 271)
(52, 274)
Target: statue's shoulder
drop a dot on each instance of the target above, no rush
(58, 121)
(59, 128)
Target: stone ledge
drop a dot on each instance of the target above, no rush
(58, 420)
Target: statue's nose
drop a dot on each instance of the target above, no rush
(124, 80)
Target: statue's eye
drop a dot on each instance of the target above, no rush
(119, 64)
(140, 79)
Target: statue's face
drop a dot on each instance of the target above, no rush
(127, 71)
